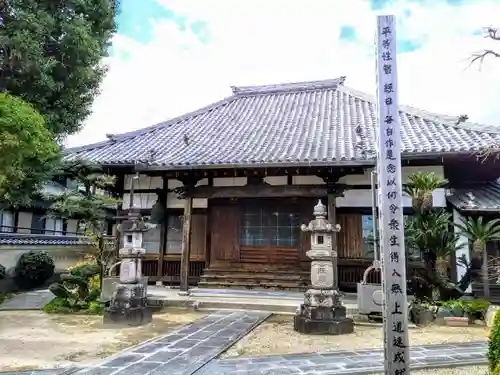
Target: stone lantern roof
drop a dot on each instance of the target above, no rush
(134, 222)
(320, 223)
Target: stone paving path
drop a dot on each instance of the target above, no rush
(194, 348)
(34, 300)
(368, 361)
(184, 351)
(57, 371)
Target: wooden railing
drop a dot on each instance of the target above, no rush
(351, 271)
(171, 271)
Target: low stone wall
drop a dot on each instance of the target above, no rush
(64, 256)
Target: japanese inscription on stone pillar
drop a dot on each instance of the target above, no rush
(390, 203)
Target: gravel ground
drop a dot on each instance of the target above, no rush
(36, 340)
(276, 336)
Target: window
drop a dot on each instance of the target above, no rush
(368, 239)
(151, 240)
(271, 225)
(6, 221)
(174, 234)
(37, 224)
(54, 226)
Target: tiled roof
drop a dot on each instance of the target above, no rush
(308, 123)
(479, 197)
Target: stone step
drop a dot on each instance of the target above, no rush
(282, 270)
(256, 276)
(208, 283)
(280, 307)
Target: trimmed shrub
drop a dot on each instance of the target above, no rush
(494, 344)
(33, 269)
(83, 269)
(3, 272)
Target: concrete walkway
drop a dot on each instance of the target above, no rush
(34, 300)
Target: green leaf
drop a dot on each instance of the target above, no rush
(29, 153)
(52, 52)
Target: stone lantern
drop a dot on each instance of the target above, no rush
(322, 311)
(129, 301)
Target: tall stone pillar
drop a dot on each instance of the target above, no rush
(322, 311)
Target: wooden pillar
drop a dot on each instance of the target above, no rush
(163, 235)
(186, 245)
(117, 192)
(332, 218)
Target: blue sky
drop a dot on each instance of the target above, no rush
(173, 56)
(136, 18)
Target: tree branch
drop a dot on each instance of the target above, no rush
(493, 34)
(479, 56)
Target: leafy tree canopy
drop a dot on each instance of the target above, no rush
(50, 54)
(28, 151)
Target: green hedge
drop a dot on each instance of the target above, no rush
(33, 269)
(494, 344)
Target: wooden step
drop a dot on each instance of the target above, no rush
(258, 269)
(250, 285)
(256, 276)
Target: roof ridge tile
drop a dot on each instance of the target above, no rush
(288, 87)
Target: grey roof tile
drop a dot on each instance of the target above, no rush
(482, 197)
(305, 123)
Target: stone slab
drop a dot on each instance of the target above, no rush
(33, 300)
(184, 351)
(367, 361)
(54, 371)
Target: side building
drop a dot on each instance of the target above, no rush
(28, 228)
(246, 171)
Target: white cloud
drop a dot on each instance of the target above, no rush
(259, 42)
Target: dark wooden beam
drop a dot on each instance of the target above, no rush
(189, 182)
(256, 191)
(163, 233)
(186, 245)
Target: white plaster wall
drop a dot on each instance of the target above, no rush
(276, 180)
(307, 180)
(365, 179)
(141, 200)
(462, 249)
(353, 198)
(230, 181)
(63, 256)
(173, 202)
(144, 182)
(363, 198)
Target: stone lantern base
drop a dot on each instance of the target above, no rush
(322, 313)
(129, 306)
